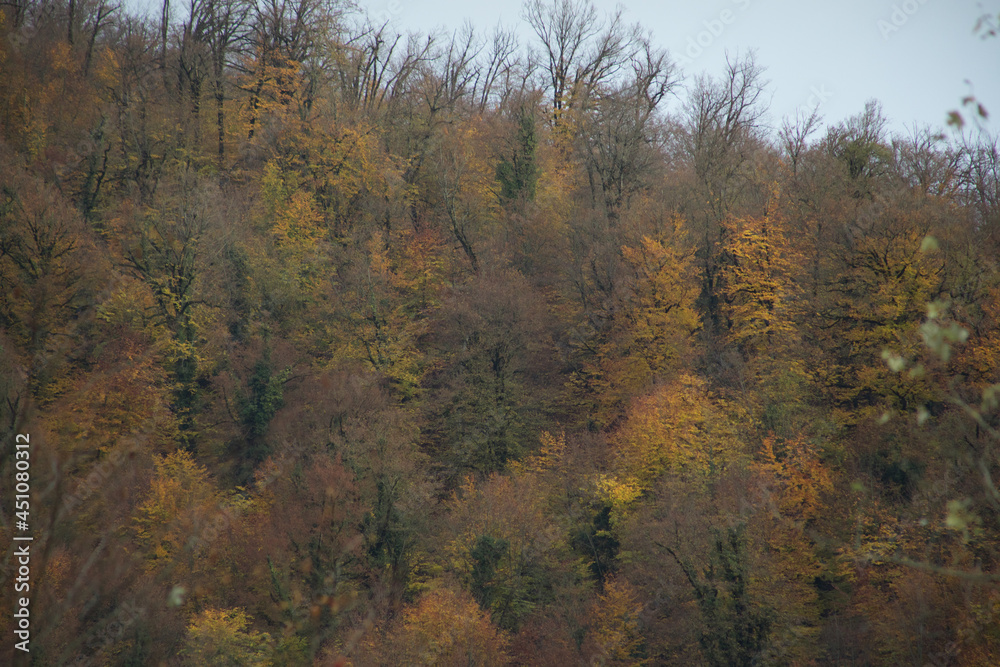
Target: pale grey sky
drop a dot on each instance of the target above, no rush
(912, 55)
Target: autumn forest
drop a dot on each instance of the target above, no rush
(341, 346)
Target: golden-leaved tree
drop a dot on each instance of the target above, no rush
(648, 334)
(757, 282)
(443, 627)
(680, 428)
(888, 274)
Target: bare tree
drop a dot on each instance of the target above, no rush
(495, 69)
(980, 179)
(564, 28)
(582, 53)
(192, 57)
(454, 72)
(164, 31)
(724, 127)
(621, 135)
(922, 161)
(723, 131)
(794, 135)
(287, 40)
(136, 63)
(363, 65)
(227, 23)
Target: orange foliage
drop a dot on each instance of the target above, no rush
(444, 628)
(797, 477)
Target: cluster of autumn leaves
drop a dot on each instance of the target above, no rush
(331, 353)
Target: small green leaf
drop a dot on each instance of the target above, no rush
(956, 333)
(991, 398)
(960, 516)
(938, 308)
(955, 519)
(935, 338)
(176, 596)
(895, 362)
(922, 415)
(929, 244)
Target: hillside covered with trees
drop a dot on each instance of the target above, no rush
(343, 347)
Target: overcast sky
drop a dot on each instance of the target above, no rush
(912, 55)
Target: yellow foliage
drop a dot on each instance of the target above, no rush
(294, 224)
(470, 170)
(349, 167)
(979, 359)
(377, 327)
(125, 396)
(299, 223)
(445, 628)
(649, 333)
(220, 637)
(467, 189)
(615, 620)
(797, 475)
(180, 494)
(620, 493)
(553, 448)
(346, 171)
(661, 313)
(876, 307)
(678, 428)
(757, 281)
(557, 180)
(128, 307)
(795, 482)
(277, 88)
(294, 220)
